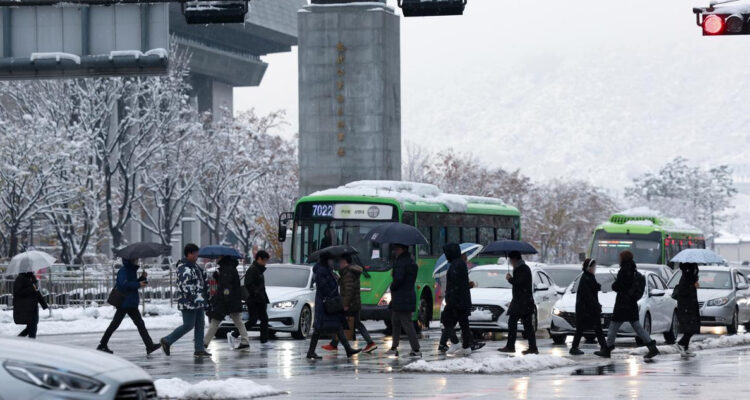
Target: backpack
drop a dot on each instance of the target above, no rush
(639, 286)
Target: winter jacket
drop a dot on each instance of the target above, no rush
(128, 284)
(457, 290)
(588, 309)
(523, 292)
(626, 304)
(255, 283)
(326, 288)
(26, 300)
(192, 288)
(228, 298)
(688, 312)
(403, 294)
(350, 288)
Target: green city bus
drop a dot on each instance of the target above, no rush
(651, 238)
(345, 215)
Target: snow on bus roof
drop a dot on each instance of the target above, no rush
(408, 192)
(666, 222)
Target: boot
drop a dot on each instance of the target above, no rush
(575, 351)
(605, 352)
(311, 355)
(152, 348)
(104, 348)
(507, 349)
(652, 350)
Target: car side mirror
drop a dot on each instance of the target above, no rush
(284, 219)
(541, 286)
(656, 293)
(742, 286)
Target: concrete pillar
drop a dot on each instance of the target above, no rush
(349, 94)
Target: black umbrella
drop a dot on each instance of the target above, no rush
(502, 248)
(333, 252)
(143, 250)
(396, 233)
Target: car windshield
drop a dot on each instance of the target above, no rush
(607, 247)
(489, 278)
(286, 277)
(707, 280)
(314, 235)
(605, 278)
(563, 277)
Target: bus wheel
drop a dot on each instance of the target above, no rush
(424, 316)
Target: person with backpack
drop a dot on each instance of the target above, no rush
(629, 286)
(688, 312)
(227, 301)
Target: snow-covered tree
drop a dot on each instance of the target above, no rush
(699, 195)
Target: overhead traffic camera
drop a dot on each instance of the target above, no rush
(723, 20)
(429, 8)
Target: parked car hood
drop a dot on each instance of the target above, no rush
(282, 293)
(708, 294)
(80, 360)
(491, 296)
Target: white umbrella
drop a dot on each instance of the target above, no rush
(698, 256)
(30, 261)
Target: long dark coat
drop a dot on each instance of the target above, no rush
(403, 293)
(688, 312)
(350, 287)
(255, 283)
(457, 290)
(588, 309)
(326, 287)
(626, 304)
(228, 297)
(523, 292)
(26, 300)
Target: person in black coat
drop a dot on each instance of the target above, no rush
(629, 286)
(128, 283)
(227, 301)
(522, 307)
(403, 299)
(329, 319)
(26, 302)
(688, 312)
(257, 301)
(588, 309)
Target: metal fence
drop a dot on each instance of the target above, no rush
(89, 285)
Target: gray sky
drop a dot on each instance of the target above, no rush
(598, 89)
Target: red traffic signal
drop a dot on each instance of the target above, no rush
(719, 20)
(713, 25)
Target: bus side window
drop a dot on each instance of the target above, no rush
(469, 235)
(427, 232)
(486, 235)
(454, 234)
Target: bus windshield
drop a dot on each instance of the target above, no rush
(607, 247)
(315, 234)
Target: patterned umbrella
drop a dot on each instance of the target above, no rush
(441, 266)
(698, 256)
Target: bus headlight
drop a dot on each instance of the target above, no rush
(386, 299)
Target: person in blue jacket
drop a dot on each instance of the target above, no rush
(128, 283)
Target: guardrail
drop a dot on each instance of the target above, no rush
(86, 285)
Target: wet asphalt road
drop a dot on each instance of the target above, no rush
(714, 374)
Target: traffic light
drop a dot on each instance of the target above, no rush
(723, 20)
(428, 8)
(214, 12)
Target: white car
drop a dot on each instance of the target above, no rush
(493, 293)
(30, 369)
(660, 269)
(656, 307)
(292, 300)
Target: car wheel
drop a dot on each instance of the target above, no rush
(647, 328)
(305, 324)
(674, 330)
(558, 339)
(734, 326)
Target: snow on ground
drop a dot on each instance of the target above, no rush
(494, 364)
(91, 319)
(232, 388)
(720, 342)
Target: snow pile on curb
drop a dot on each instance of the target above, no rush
(91, 319)
(232, 388)
(705, 344)
(490, 365)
